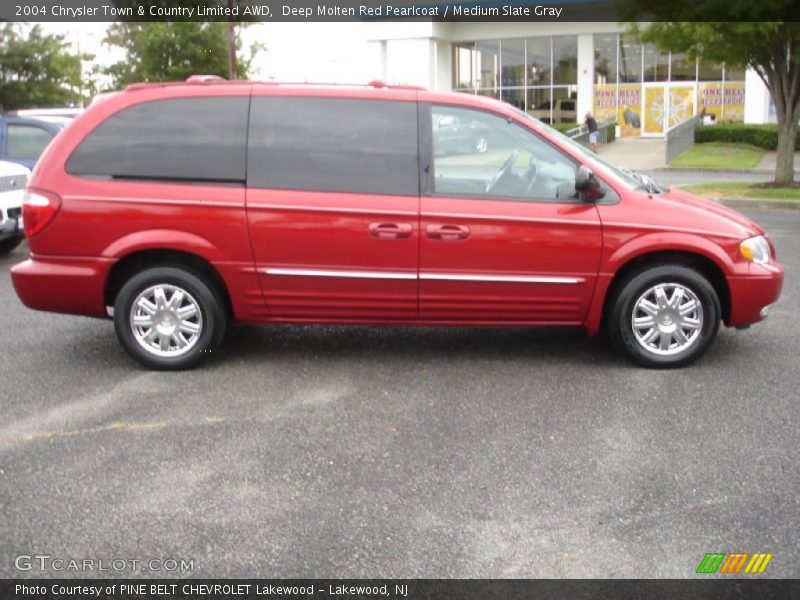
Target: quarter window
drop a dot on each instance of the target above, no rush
(479, 154)
(184, 139)
(26, 141)
(333, 145)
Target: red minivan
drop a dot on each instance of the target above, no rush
(177, 207)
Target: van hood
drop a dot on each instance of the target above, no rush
(712, 208)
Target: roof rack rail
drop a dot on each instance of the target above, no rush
(204, 79)
(216, 79)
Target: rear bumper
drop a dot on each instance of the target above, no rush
(750, 294)
(62, 284)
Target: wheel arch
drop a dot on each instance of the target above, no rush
(139, 260)
(700, 262)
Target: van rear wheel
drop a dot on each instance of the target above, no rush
(169, 318)
(663, 317)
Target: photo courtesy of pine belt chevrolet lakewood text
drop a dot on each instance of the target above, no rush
(179, 207)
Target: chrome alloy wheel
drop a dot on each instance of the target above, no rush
(667, 319)
(166, 320)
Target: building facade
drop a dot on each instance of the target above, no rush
(560, 71)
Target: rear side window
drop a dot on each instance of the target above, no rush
(185, 139)
(26, 141)
(333, 145)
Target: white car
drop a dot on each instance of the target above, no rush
(13, 179)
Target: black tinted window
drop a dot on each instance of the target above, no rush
(334, 145)
(195, 139)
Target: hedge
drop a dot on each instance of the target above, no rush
(761, 136)
(563, 127)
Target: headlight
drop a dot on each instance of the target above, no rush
(756, 249)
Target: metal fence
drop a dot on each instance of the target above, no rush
(681, 137)
(581, 133)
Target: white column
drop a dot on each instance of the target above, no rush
(756, 99)
(444, 66)
(383, 60)
(585, 75)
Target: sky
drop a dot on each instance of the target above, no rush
(297, 52)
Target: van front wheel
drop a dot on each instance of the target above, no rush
(665, 316)
(168, 318)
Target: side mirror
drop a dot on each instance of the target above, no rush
(587, 185)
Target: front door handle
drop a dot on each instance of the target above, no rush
(447, 232)
(390, 230)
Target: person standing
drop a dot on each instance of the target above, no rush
(594, 133)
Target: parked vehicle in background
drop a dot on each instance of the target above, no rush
(176, 207)
(23, 139)
(564, 111)
(38, 113)
(453, 134)
(13, 179)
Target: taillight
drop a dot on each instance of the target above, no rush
(38, 209)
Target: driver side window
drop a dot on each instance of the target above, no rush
(478, 154)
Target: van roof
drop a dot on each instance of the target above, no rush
(216, 80)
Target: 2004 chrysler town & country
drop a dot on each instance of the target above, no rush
(177, 207)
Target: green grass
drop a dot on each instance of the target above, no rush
(743, 189)
(719, 156)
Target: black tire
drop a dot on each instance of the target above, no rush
(6, 246)
(198, 289)
(634, 288)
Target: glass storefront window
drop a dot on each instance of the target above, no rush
(681, 68)
(539, 103)
(630, 61)
(733, 73)
(605, 59)
(464, 66)
(709, 72)
(565, 104)
(656, 64)
(512, 67)
(515, 97)
(488, 54)
(539, 75)
(565, 60)
(538, 61)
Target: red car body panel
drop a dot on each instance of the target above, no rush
(508, 240)
(538, 262)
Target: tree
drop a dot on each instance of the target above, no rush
(36, 69)
(770, 48)
(163, 51)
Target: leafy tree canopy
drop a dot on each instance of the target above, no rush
(36, 69)
(173, 51)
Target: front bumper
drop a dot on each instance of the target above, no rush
(751, 293)
(70, 285)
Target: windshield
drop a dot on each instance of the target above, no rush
(625, 177)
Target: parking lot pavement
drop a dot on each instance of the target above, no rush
(337, 452)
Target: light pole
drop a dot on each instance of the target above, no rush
(231, 44)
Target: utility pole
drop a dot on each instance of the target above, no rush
(231, 44)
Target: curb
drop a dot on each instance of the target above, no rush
(702, 170)
(764, 204)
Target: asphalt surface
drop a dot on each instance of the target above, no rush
(357, 452)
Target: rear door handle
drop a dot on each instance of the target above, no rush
(390, 230)
(447, 232)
